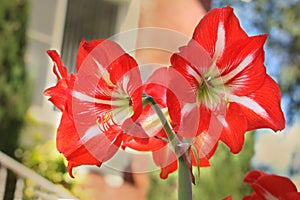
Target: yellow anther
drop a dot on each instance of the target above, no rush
(107, 117)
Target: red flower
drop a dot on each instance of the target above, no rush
(270, 187)
(225, 68)
(150, 125)
(97, 103)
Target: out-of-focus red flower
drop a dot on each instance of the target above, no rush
(225, 68)
(97, 102)
(270, 187)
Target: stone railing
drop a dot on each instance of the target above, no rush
(40, 187)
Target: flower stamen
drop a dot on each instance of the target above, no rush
(105, 122)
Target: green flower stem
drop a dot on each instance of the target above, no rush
(171, 135)
(184, 179)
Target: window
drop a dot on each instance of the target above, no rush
(89, 19)
(60, 25)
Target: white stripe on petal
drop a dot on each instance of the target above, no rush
(125, 83)
(268, 195)
(152, 123)
(223, 121)
(120, 114)
(192, 72)
(247, 60)
(84, 97)
(104, 74)
(189, 107)
(90, 133)
(117, 102)
(249, 103)
(220, 43)
(120, 103)
(57, 71)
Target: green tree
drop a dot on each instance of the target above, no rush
(14, 95)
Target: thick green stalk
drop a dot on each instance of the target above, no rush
(167, 127)
(184, 179)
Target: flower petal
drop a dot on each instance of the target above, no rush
(253, 176)
(153, 144)
(166, 159)
(262, 107)
(291, 196)
(165, 171)
(59, 69)
(269, 186)
(200, 158)
(242, 65)
(109, 79)
(217, 30)
(69, 144)
(83, 51)
(60, 93)
(234, 128)
(239, 58)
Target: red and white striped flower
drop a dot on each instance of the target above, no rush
(97, 102)
(225, 68)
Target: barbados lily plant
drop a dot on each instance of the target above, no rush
(216, 89)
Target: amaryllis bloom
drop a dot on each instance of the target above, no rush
(270, 187)
(97, 102)
(225, 68)
(151, 126)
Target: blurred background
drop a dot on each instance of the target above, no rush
(28, 122)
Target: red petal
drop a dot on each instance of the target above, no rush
(204, 159)
(166, 159)
(152, 145)
(274, 185)
(61, 92)
(242, 65)
(267, 113)
(83, 51)
(193, 56)
(234, 128)
(109, 55)
(124, 65)
(253, 176)
(104, 69)
(58, 94)
(291, 196)
(206, 32)
(179, 96)
(68, 143)
(266, 185)
(209, 131)
(165, 171)
(240, 58)
(135, 91)
(174, 109)
(59, 69)
(254, 196)
(156, 86)
(143, 140)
